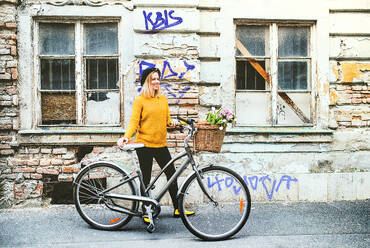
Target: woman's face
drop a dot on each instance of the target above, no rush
(154, 83)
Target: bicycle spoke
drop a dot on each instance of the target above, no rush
(87, 196)
(101, 186)
(88, 201)
(94, 193)
(93, 181)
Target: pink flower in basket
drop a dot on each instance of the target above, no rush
(220, 117)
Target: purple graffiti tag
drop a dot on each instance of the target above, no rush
(210, 185)
(229, 181)
(269, 194)
(161, 21)
(167, 65)
(255, 179)
(188, 68)
(287, 179)
(147, 18)
(237, 190)
(177, 18)
(182, 93)
(170, 93)
(146, 65)
(253, 182)
(245, 180)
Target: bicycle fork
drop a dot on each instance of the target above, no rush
(201, 185)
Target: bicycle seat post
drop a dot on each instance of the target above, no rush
(137, 169)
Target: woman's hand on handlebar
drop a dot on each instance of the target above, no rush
(121, 142)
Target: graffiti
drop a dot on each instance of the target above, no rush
(281, 111)
(162, 21)
(167, 67)
(188, 68)
(252, 182)
(173, 93)
(167, 71)
(177, 93)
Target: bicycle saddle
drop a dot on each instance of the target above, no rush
(131, 147)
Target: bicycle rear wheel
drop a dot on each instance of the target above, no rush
(220, 220)
(91, 203)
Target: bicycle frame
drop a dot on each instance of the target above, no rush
(147, 194)
(177, 173)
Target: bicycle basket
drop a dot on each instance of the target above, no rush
(209, 137)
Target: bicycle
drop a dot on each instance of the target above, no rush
(106, 195)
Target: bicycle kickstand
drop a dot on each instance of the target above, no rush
(151, 227)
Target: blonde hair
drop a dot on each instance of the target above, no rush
(147, 91)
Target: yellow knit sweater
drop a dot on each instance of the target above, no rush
(150, 116)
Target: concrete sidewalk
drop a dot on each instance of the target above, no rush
(331, 224)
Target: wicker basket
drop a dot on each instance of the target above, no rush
(209, 137)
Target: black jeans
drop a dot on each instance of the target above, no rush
(162, 156)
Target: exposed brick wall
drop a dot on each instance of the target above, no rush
(350, 95)
(31, 167)
(9, 114)
(9, 122)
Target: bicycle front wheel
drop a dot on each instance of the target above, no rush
(93, 206)
(226, 214)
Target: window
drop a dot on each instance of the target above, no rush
(78, 66)
(273, 74)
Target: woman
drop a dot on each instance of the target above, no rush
(150, 117)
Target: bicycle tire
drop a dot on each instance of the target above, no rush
(93, 208)
(212, 222)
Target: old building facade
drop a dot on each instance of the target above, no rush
(297, 75)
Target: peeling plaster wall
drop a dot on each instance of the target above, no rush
(326, 162)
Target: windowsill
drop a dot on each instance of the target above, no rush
(278, 130)
(71, 136)
(277, 135)
(109, 135)
(74, 130)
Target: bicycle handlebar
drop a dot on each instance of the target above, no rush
(191, 129)
(187, 121)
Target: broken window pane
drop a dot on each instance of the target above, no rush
(293, 41)
(254, 38)
(103, 108)
(58, 108)
(248, 78)
(57, 74)
(57, 39)
(102, 73)
(101, 39)
(292, 75)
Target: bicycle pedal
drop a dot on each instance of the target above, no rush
(150, 228)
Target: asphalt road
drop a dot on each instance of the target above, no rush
(332, 224)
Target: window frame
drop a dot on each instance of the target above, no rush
(81, 90)
(272, 59)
